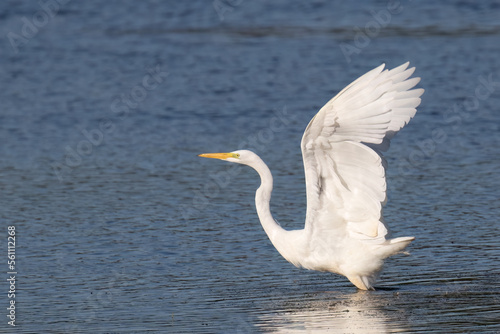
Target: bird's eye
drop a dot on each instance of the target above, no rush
(237, 155)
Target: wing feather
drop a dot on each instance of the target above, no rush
(345, 171)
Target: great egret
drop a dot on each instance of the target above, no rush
(344, 231)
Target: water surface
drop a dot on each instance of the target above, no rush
(121, 228)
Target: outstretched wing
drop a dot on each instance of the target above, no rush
(345, 171)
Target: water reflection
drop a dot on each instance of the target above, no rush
(331, 312)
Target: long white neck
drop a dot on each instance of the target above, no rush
(262, 200)
(286, 242)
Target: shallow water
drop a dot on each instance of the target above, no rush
(121, 228)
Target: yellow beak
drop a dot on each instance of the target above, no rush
(221, 156)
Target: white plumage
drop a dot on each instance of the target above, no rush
(345, 178)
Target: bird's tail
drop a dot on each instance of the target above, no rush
(394, 246)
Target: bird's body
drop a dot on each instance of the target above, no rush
(345, 178)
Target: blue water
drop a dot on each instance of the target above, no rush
(121, 228)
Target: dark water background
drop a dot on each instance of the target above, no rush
(122, 229)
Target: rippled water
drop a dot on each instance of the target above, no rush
(121, 228)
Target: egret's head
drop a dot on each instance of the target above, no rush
(241, 156)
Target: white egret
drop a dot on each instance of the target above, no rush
(344, 231)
